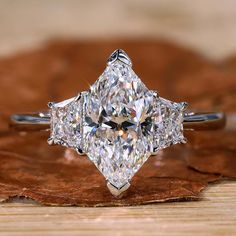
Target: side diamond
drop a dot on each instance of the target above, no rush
(66, 122)
(169, 125)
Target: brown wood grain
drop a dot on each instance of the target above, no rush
(213, 215)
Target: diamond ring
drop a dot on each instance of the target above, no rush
(118, 123)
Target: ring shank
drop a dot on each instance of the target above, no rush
(192, 121)
(38, 121)
(204, 120)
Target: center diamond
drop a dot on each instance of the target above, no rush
(119, 123)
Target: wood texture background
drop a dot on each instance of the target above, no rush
(213, 215)
(207, 26)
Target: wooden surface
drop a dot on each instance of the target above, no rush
(213, 215)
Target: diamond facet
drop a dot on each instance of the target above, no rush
(119, 55)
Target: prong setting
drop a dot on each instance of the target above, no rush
(155, 94)
(184, 141)
(184, 106)
(155, 151)
(51, 104)
(50, 141)
(78, 97)
(116, 192)
(119, 55)
(79, 151)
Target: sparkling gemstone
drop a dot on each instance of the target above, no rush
(66, 122)
(119, 123)
(169, 124)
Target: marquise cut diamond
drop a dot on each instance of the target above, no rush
(118, 123)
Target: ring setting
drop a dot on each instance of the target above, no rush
(118, 123)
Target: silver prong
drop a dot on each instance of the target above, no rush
(80, 151)
(78, 97)
(155, 94)
(51, 104)
(119, 55)
(184, 105)
(62, 143)
(155, 151)
(50, 141)
(184, 140)
(117, 191)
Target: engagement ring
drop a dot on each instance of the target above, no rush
(118, 123)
